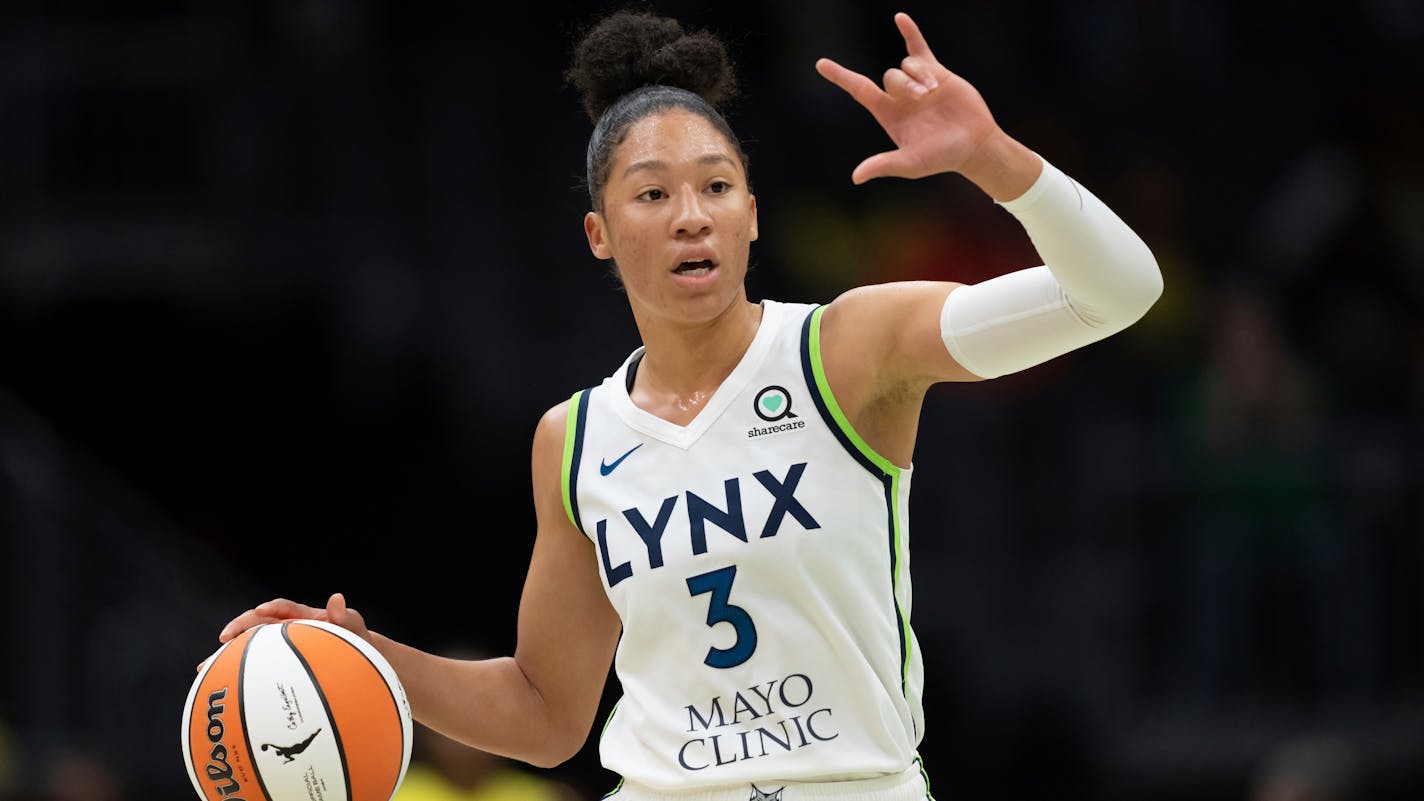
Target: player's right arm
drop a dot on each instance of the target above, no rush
(537, 706)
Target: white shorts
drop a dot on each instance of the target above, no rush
(907, 786)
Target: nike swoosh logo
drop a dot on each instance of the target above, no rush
(604, 468)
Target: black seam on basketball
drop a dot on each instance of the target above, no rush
(335, 729)
(242, 713)
(394, 703)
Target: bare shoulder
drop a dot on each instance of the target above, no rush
(552, 423)
(549, 436)
(865, 306)
(891, 329)
(547, 464)
(883, 341)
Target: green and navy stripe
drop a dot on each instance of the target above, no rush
(924, 775)
(573, 454)
(887, 472)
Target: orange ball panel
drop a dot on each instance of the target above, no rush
(217, 743)
(362, 708)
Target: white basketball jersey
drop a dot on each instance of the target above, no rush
(758, 558)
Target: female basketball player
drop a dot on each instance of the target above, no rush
(727, 512)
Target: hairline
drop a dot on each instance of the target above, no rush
(668, 98)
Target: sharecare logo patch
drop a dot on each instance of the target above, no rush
(773, 404)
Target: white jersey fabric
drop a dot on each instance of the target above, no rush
(758, 559)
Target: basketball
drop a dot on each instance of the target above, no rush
(300, 710)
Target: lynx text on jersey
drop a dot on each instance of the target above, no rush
(701, 512)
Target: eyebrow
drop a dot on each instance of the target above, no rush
(654, 164)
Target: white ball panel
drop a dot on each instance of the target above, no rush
(294, 745)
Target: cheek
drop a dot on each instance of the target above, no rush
(746, 232)
(632, 246)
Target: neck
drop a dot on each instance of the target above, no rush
(684, 363)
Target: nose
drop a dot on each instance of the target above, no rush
(691, 217)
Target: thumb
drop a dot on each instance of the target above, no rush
(336, 609)
(890, 164)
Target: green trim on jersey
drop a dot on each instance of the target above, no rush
(924, 774)
(889, 468)
(570, 440)
(608, 720)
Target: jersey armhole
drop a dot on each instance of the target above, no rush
(826, 404)
(884, 470)
(573, 455)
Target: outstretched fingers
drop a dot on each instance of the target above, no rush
(915, 43)
(864, 90)
(890, 164)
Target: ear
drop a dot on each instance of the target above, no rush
(754, 217)
(596, 230)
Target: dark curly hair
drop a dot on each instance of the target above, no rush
(632, 64)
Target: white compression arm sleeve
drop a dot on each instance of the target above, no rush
(1099, 277)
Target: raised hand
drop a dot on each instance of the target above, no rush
(937, 120)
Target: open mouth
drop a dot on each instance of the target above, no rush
(695, 267)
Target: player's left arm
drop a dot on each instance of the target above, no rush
(1098, 278)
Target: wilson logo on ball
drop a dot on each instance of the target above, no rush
(218, 770)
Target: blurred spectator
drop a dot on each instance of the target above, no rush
(1307, 769)
(79, 776)
(444, 770)
(8, 767)
(1276, 611)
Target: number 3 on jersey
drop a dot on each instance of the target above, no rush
(719, 583)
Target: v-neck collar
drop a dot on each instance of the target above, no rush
(684, 436)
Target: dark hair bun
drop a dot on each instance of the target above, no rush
(629, 50)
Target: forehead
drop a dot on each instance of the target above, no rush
(675, 137)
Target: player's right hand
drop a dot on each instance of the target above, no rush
(279, 609)
(938, 121)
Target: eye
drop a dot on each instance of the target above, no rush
(652, 194)
(718, 187)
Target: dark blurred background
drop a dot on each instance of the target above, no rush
(285, 286)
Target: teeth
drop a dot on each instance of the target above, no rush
(695, 267)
